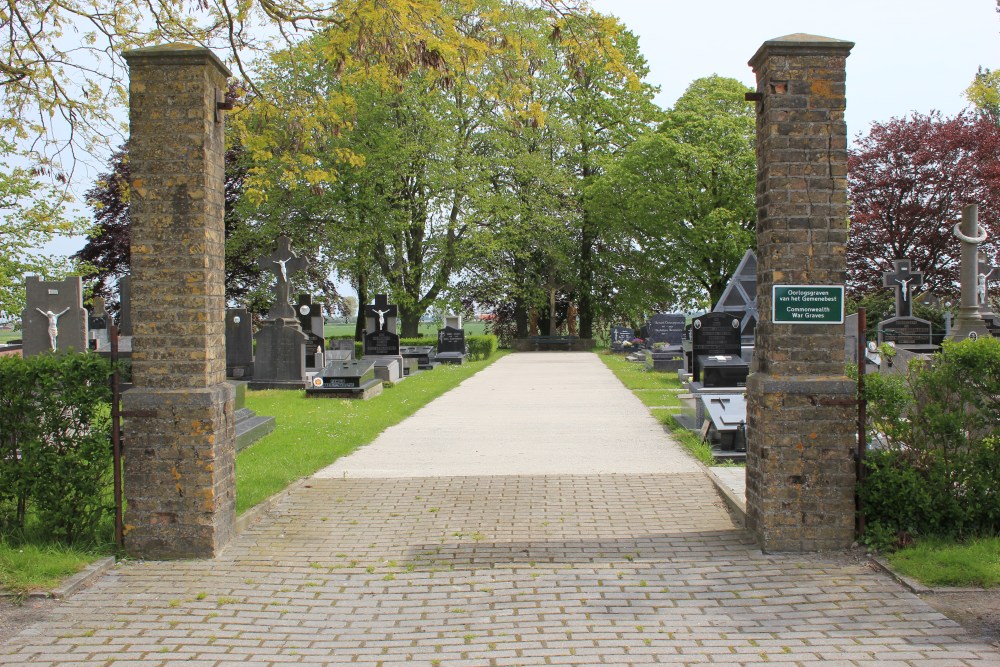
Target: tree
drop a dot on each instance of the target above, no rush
(62, 74)
(32, 213)
(683, 199)
(607, 106)
(908, 180)
(984, 94)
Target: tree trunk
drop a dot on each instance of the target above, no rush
(552, 312)
(586, 281)
(410, 323)
(362, 287)
(521, 320)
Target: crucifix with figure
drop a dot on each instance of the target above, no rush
(906, 283)
(381, 311)
(284, 264)
(987, 274)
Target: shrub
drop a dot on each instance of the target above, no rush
(481, 347)
(55, 456)
(935, 467)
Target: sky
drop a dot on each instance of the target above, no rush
(913, 55)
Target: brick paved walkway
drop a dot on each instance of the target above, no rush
(524, 569)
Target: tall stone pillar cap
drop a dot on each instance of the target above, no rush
(799, 43)
(177, 51)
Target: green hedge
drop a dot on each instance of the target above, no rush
(935, 465)
(482, 347)
(55, 453)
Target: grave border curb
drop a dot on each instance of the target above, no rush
(915, 586)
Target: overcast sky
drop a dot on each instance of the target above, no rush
(912, 55)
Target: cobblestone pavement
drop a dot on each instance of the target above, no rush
(615, 569)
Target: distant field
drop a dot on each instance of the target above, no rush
(6, 335)
(474, 328)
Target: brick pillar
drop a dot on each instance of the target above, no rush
(179, 429)
(800, 431)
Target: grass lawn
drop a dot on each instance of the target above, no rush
(940, 563)
(658, 391)
(312, 433)
(428, 329)
(27, 567)
(9, 335)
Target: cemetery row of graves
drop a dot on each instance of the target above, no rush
(55, 459)
(915, 452)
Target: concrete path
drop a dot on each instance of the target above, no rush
(503, 567)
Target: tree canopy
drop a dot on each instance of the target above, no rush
(908, 180)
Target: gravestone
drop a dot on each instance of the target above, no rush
(239, 343)
(905, 281)
(381, 343)
(54, 319)
(250, 427)
(987, 274)
(98, 325)
(310, 316)
(451, 344)
(906, 331)
(340, 349)
(422, 355)
(727, 415)
(125, 306)
(740, 297)
(346, 379)
(280, 359)
(667, 328)
(715, 334)
(620, 335)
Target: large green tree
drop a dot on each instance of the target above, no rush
(685, 196)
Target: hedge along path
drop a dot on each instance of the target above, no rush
(313, 432)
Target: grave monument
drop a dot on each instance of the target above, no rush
(381, 344)
(239, 343)
(451, 341)
(54, 319)
(280, 359)
(970, 322)
(904, 330)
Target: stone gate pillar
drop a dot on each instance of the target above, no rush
(179, 430)
(801, 427)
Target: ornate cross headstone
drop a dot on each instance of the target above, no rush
(54, 319)
(906, 282)
(284, 264)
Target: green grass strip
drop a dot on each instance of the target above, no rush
(941, 563)
(312, 433)
(27, 567)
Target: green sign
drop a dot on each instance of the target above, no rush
(807, 304)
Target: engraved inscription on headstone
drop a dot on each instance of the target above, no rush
(666, 328)
(714, 333)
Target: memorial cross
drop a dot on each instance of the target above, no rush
(284, 264)
(905, 281)
(381, 309)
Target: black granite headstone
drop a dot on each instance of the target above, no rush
(905, 331)
(381, 343)
(723, 370)
(712, 334)
(451, 340)
(665, 328)
(239, 342)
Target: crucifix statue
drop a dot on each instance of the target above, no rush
(382, 310)
(284, 264)
(987, 272)
(970, 233)
(905, 281)
(53, 325)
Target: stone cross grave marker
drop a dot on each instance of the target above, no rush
(905, 281)
(54, 319)
(284, 264)
(380, 329)
(987, 274)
